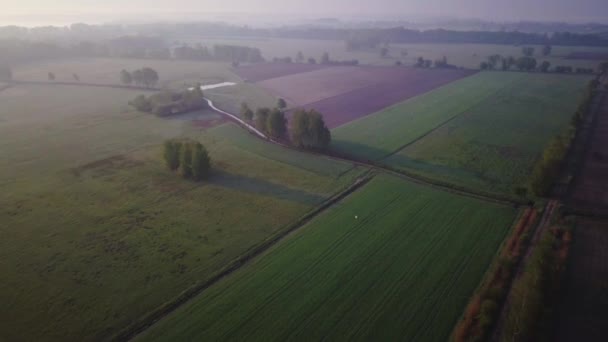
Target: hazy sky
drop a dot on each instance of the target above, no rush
(570, 10)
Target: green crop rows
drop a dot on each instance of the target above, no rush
(394, 261)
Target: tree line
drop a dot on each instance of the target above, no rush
(365, 39)
(527, 62)
(146, 77)
(307, 128)
(229, 53)
(188, 158)
(168, 103)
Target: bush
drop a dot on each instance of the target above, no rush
(170, 103)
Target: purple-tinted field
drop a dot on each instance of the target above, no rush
(265, 71)
(347, 107)
(346, 93)
(304, 88)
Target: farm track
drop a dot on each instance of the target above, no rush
(542, 226)
(150, 319)
(374, 166)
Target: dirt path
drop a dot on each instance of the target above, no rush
(542, 226)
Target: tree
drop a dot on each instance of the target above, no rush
(526, 63)
(246, 112)
(299, 57)
(383, 52)
(441, 63)
(76, 77)
(505, 65)
(483, 66)
(149, 77)
(419, 62)
(138, 77)
(308, 130)
(493, 61)
(547, 50)
(312, 60)
(142, 104)
(171, 154)
(281, 104)
(51, 76)
(325, 58)
(510, 62)
(528, 51)
(276, 124)
(6, 74)
(544, 66)
(125, 77)
(261, 117)
(201, 163)
(185, 160)
(603, 67)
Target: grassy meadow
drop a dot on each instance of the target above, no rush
(107, 71)
(96, 232)
(495, 143)
(393, 261)
(485, 131)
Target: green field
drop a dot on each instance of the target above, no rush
(484, 132)
(305, 161)
(96, 232)
(495, 143)
(462, 55)
(393, 261)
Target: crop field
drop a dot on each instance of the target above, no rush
(95, 231)
(393, 261)
(461, 55)
(346, 93)
(484, 131)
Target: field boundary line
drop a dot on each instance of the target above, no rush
(164, 310)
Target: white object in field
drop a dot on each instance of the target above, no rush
(213, 86)
(356, 217)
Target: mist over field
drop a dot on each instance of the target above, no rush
(61, 12)
(262, 170)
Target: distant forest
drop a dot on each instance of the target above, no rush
(161, 40)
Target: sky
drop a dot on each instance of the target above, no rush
(502, 10)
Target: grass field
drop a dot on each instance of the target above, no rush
(393, 261)
(485, 131)
(319, 165)
(107, 71)
(96, 233)
(462, 55)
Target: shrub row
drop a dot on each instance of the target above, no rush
(168, 103)
(534, 291)
(483, 309)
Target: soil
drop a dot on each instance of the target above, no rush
(582, 313)
(590, 187)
